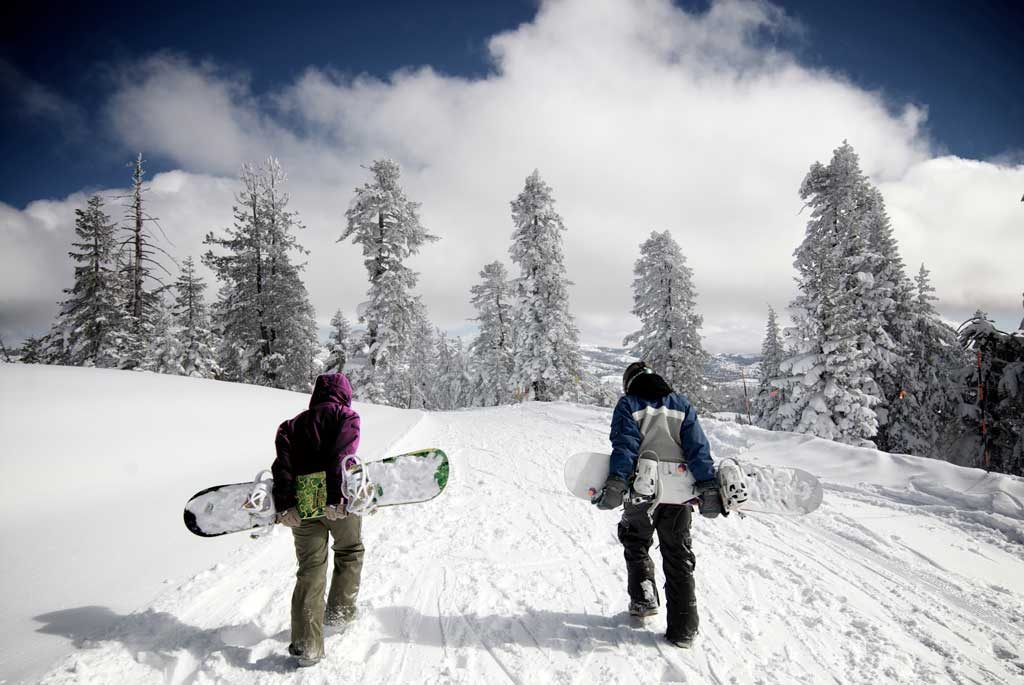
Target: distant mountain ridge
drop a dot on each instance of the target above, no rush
(609, 362)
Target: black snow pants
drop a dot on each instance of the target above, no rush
(636, 533)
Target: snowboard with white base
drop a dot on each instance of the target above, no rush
(746, 486)
(586, 472)
(406, 478)
(774, 489)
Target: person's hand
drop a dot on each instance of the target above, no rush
(290, 518)
(611, 494)
(710, 497)
(334, 512)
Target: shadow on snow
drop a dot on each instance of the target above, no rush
(161, 641)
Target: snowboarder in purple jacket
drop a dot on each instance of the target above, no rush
(315, 441)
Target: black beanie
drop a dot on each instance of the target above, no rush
(632, 371)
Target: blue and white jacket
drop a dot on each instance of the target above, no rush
(667, 425)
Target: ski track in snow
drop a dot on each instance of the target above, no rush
(507, 579)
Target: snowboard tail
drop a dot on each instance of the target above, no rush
(780, 490)
(408, 478)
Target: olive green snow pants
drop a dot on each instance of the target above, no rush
(311, 579)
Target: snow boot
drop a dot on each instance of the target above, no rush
(339, 616)
(648, 605)
(642, 609)
(303, 660)
(683, 641)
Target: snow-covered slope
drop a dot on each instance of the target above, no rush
(911, 571)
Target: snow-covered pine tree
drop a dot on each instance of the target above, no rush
(596, 392)
(239, 313)
(54, 349)
(338, 343)
(996, 419)
(891, 311)
(769, 397)
(387, 225)
(31, 351)
(548, 363)
(294, 346)
(491, 351)
(414, 384)
(827, 384)
(263, 310)
(1011, 385)
(198, 343)
(91, 321)
(164, 353)
(143, 285)
(462, 376)
(453, 382)
(665, 302)
(933, 386)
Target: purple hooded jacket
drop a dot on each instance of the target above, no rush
(317, 440)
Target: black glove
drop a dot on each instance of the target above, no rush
(710, 498)
(611, 494)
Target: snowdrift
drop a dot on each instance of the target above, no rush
(911, 571)
(990, 499)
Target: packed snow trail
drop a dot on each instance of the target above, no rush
(506, 578)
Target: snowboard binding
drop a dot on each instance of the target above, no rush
(732, 483)
(259, 499)
(358, 491)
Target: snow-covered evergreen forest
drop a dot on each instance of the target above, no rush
(866, 359)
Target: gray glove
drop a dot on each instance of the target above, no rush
(710, 498)
(334, 512)
(290, 518)
(611, 494)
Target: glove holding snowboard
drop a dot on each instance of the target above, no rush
(709, 495)
(290, 518)
(611, 494)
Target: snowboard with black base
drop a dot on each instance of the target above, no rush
(407, 478)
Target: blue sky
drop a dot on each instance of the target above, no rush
(697, 118)
(72, 52)
(964, 61)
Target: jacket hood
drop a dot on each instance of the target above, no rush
(331, 388)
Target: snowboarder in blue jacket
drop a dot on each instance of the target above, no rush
(651, 419)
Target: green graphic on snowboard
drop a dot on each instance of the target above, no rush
(311, 494)
(441, 475)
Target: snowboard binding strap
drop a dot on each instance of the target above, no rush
(359, 492)
(732, 484)
(257, 500)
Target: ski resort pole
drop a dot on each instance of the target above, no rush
(746, 399)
